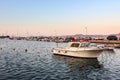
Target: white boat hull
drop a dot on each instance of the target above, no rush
(81, 49)
(81, 54)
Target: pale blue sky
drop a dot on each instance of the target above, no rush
(65, 16)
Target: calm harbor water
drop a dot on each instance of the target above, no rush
(38, 63)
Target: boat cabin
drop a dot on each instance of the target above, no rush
(78, 44)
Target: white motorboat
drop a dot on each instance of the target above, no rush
(81, 49)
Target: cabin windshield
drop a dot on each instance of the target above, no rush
(85, 44)
(75, 45)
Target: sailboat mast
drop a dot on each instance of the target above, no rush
(56, 41)
(86, 31)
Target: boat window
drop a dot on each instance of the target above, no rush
(75, 45)
(84, 45)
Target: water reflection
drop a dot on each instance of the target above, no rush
(79, 67)
(73, 62)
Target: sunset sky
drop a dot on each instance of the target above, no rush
(59, 17)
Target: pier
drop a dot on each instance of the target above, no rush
(106, 41)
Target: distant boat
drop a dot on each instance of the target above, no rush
(81, 49)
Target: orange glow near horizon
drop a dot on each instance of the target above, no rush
(63, 29)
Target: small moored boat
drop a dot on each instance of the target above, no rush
(81, 49)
